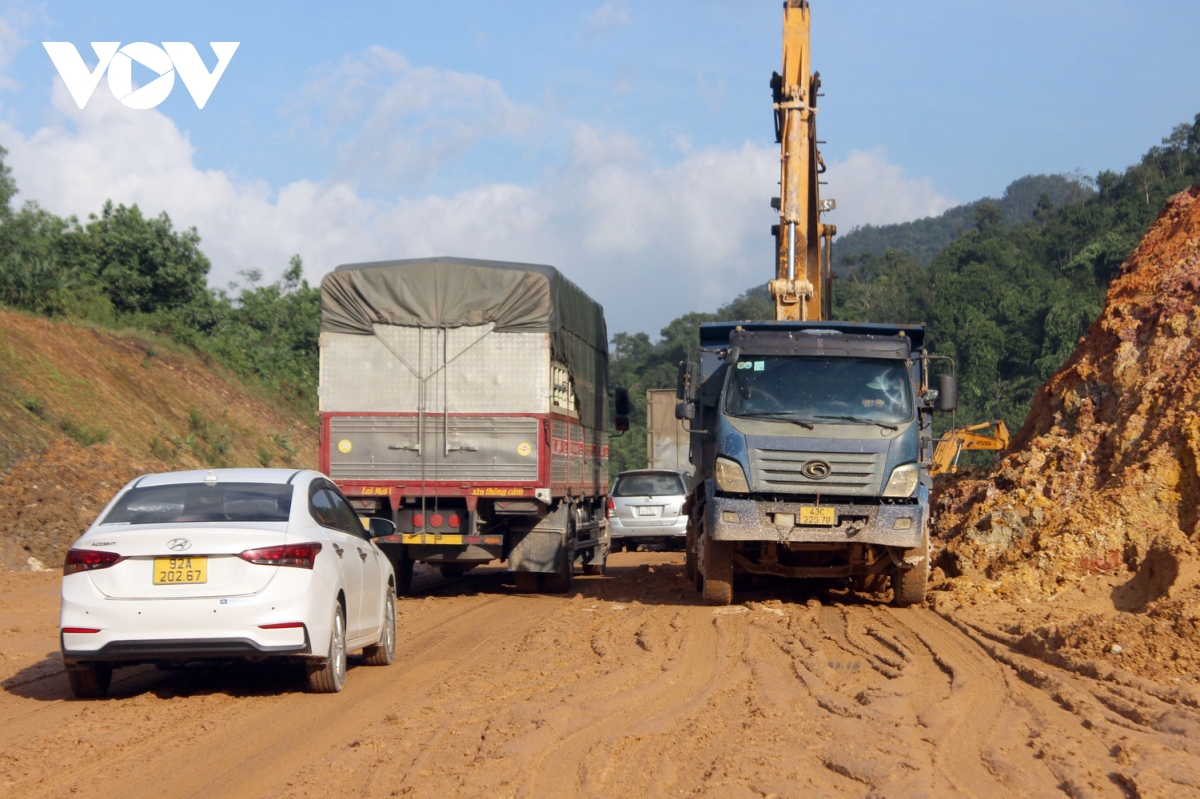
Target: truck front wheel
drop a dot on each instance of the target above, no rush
(908, 585)
(716, 562)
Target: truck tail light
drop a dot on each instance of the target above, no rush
(301, 556)
(83, 560)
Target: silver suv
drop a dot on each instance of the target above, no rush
(645, 507)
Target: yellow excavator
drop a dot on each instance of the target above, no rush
(973, 438)
(801, 286)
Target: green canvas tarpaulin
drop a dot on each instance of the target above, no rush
(458, 292)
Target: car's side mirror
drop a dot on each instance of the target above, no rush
(378, 528)
(947, 392)
(685, 410)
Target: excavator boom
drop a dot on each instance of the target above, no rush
(955, 442)
(803, 245)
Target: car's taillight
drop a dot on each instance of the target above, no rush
(299, 555)
(80, 630)
(611, 507)
(82, 560)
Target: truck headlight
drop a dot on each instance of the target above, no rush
(903, 481)
(730, 476)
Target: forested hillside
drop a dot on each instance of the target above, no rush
(1007, 301)
(1023, 200)
(1007, 287)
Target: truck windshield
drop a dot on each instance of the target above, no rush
(820, 389)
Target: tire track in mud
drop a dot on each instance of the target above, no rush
(629, 687)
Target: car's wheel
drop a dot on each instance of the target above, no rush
(329, 676)
(717, 565)
(616, 545)
(384, 652)
(631, 546)
(89, 680)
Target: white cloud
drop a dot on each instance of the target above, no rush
(870, 190)
(649, 241)
(608, 17)
(398, 124)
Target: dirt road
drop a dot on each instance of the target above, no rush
(629, 687)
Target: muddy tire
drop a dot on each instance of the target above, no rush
(716, 563)
(526, 582)
(908, 585)
(329, 675)
(689, 557)
(384, 652)
(402, 565)
(560, 582)
(90, 680)
(599, 563)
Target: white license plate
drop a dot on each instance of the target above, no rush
(648, 510)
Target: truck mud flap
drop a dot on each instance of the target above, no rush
(539, 550)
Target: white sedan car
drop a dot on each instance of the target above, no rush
(226, 564)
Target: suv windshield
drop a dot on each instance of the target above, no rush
(820, 389)
(198, 502)
(649, 485)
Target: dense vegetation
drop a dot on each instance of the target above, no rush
(1006, 299)
(1007, 287)
(120, 269)
(925, 238)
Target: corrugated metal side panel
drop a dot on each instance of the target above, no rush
(667, 443)
(467, 370)
(482, 449)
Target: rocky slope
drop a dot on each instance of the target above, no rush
(1102, 482)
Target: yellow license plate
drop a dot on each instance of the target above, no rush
(180, 571)
(433, 538)
(819, 515)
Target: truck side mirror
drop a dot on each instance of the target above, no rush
(621, 409)
(947, 392)
(681, 382)
(685, 410)
(621, 401)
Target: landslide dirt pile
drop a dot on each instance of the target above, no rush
(1103, 478)
(82, 411)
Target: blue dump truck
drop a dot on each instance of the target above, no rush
(811, 443)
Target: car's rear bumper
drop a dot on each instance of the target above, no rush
(140, 630)
(660, 530)
(140, 651)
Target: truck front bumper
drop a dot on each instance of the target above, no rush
(736, 519)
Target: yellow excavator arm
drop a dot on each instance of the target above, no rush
(803, 245)
(955, 442)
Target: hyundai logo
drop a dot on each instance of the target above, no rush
(179, 544)
(816, 470)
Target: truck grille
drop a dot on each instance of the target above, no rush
(851, 473)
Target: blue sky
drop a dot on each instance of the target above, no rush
(628, 143)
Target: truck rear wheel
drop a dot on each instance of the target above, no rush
(717, 565)
(689, 556)
(908, 585)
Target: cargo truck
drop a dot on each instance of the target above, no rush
(467, 401)
(667, 441)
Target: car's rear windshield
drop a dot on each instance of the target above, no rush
(648, 485)
(199, 502)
